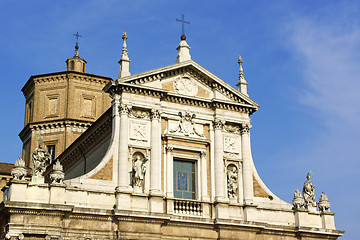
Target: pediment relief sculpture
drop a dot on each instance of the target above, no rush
(185, 85)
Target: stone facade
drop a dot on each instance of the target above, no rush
(171, 159)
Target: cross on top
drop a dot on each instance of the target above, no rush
(77, 35)
(183, 22)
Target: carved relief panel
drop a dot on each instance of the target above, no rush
(139, 132)
(186, 126)
(140, 127)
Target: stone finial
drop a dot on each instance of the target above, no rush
(298, 201)
(183, 51)
(309, 192)
(57, 175)
(124, 60)
(324, 203)
(242, 84)
(19, 171)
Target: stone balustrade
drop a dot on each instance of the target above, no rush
(188, 207)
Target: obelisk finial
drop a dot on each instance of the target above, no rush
(242, 84)
(124, 60)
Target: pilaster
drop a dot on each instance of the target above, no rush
(155, 153)
(124, 178)
(247, 171)
(169, 172)
(219, 161)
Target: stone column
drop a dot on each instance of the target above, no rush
(246, 157)
(124, 180)
(219, 161)
(169, 172)
(155, 153)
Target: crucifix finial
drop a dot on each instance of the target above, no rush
(182, 20)
(77, 35)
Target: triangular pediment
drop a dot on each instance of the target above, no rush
(189, 79)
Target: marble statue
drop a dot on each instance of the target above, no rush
(324, 203)
(19, 171)
(41, 158)
(57, 175)
(309, 192)
(139, 170)
(232, 181)
(298, 200)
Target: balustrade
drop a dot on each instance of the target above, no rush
(188, 207)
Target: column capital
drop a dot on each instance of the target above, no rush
(124, 109)
(218, 124)
(155, 114)
(245, 128)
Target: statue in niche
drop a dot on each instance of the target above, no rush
(41, 158)
(232, 181)
(309, 192)
(139, 170)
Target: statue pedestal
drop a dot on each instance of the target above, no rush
(137, 189)
(37, 180)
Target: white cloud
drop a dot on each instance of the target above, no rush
(328, 54)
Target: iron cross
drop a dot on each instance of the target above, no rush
(77, 35)
(183, 22)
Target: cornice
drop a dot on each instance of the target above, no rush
(178, 98)
(195, 70)
(62, 76)
(37, 126)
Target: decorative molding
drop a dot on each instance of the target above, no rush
(138, 113)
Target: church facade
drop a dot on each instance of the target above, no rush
(170, 159)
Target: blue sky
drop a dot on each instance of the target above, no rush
(301, 60)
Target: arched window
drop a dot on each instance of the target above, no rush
(72, 64)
